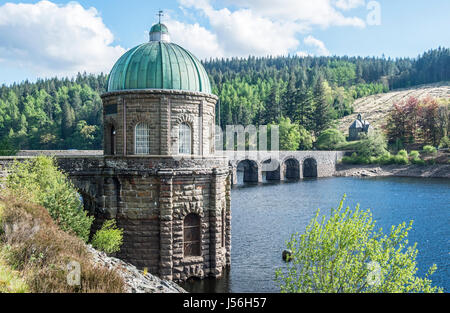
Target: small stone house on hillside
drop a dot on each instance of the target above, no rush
(357, 127)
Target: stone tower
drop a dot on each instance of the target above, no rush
(162, 182)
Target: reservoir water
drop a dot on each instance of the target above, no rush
(265, 215)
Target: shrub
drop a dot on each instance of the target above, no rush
(386, 158)
(10, 280)
(429, 149)
(414, 154)
(40, 181)
(403, 153)
(362, 160)
(330, 139)
(373, 144)
(34, 245)
(353, 159)
(418, 161)
(345, 254)
(401, 159)
(109, 238)
(347, 160)
(445, 143)
(415, 158)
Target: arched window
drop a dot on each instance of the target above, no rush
(184, 143)
(142, 139)
(192, 238)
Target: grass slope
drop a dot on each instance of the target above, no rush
(35, 254)
(375, 108)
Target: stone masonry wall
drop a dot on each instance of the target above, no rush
(164, 111)
(149, 198)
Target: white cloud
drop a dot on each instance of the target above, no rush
(51, 39)
(317, 44)
(197, 39)
(349, 4)
(306, 13)
(267, 27)
(242, 33)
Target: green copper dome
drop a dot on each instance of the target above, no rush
(159, 28)
(159, 64)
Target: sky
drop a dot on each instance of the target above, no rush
(40, 39)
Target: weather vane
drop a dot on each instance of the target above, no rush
(160, 13)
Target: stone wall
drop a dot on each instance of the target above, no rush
(149, 197)
(164, 111)
(277, 164)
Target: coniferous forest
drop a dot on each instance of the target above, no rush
(310, 92)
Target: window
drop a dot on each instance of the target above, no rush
(184, 145)
(113, 141)
(142, 139)
(192, 235)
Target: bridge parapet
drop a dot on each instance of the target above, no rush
(280, 165)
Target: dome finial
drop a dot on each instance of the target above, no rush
(160, 13)
(159, 32)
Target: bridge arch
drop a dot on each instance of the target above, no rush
(251, 169)
(309, 167)
(291, 167)
(271, 168)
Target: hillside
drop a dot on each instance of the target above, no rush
(311, 91)
(375, 108)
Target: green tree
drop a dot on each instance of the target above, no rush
(85, 135)
(344, 254)
(6, 148)
(373, 144)
(322, 113)
(40, 181)
(306, 139)
(289, 101)
(289, 135)
(273, 109)
(304, 114)
(330, 139)
(68, 119)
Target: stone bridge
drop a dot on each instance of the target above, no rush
(281, 165)
(84, 166)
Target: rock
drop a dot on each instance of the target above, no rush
(135, 280)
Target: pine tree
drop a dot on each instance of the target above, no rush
(273, 110)
(304, 114)
(68, 119)
(322, 113)
(289, 102)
